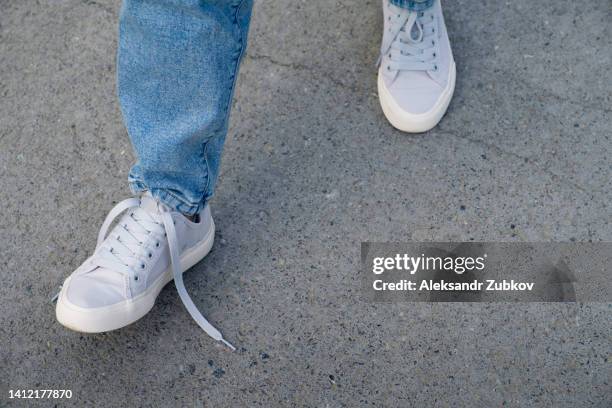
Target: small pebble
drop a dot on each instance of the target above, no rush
(219, 372)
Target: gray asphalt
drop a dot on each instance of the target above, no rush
(311, 169)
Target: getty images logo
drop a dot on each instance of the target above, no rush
(413, 264)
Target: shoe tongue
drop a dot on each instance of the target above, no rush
(152, 205)
(148, 203)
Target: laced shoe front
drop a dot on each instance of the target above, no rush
(150, 246)
(416, 76)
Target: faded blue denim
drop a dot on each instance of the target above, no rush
(177, 64)
(414, 5)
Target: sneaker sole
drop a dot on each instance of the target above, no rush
(416, 123)
(119, 315)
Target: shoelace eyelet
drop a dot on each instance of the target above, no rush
(150, 255)
(136, 277)
(142, 266)
(157, 245)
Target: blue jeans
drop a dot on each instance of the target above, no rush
(414, 5)
(177, 64)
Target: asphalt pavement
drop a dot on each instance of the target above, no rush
(311, 169)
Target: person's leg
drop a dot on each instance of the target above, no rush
(413, 5)
(177, 64)
(416, 78)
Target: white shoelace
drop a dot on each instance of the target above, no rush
(139, 233)
(406, 52)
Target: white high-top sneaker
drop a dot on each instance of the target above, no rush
(150, 246)
(416, 77)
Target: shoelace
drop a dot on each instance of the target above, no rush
(404, 51)
(125, 251)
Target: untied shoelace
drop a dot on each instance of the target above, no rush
(126, 248)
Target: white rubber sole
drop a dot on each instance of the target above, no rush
(119, 315)
(416, 123)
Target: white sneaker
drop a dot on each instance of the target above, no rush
(118, 284)
(416, 77)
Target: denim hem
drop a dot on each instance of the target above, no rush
(168, 198)
(413, 5)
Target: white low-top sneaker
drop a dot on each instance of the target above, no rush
(150, 246)
(416, 76)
